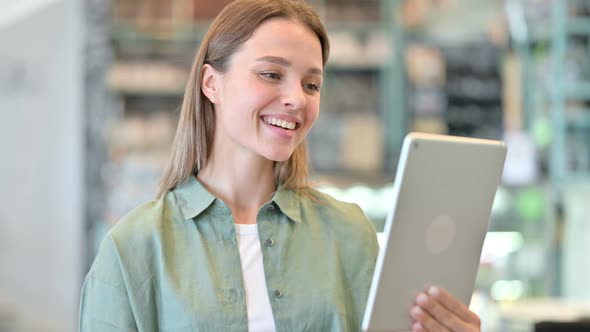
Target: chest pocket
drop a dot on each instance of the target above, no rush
(194, 309)
(324, 312)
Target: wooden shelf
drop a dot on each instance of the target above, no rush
(150, 78)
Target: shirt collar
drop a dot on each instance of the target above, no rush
(194, 198)
(289, 202)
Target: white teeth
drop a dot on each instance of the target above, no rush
(280, 123)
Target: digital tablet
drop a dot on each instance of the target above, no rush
(443, 195)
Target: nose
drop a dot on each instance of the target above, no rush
(293, 97)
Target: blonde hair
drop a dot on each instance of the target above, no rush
(194, 134)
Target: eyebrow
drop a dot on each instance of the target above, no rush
(284, 62)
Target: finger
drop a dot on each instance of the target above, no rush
(442, 314)
(454, 305)
(417, 327)
(426, 321)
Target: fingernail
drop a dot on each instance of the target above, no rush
(422, 298)
(415, 310)
(416, 326)
(433, 290)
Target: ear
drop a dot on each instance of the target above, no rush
(210, 83)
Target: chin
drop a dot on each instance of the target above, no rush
(278, 156)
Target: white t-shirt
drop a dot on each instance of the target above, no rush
(260, 317)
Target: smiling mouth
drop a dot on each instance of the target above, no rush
(288, 125)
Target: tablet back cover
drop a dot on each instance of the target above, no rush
(444, 191)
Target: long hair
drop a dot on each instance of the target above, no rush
(195, 131)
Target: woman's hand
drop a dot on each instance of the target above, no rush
(436, 310)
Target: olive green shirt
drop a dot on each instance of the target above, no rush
(173, 265)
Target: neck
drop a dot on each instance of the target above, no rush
(242, 180)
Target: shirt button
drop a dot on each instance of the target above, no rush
(278, 293)
(270, 242)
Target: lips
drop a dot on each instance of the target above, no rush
(284, 128)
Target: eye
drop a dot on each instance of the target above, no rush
(271, 75)
(312, 86)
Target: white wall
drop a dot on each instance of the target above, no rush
(41, 142)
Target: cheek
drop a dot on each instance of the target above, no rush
(254, 95)
(312, 114)
(242, 90)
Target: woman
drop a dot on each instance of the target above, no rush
(237, 240)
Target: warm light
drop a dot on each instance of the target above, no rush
(499, 244)
(507, 290)
(375, 202)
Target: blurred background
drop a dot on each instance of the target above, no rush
(90, 93)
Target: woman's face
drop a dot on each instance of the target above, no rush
(268, 99)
